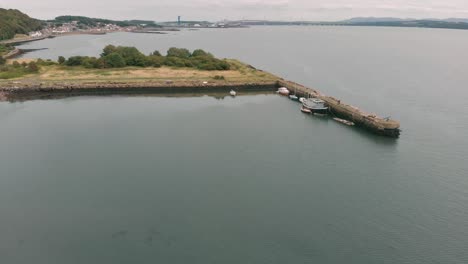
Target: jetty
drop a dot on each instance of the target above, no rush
(12, 53)
(18, 41)
(63, 81)
(383, 126)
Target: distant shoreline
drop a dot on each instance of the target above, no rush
(403, 24)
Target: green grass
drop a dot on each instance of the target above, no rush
(12, 74)
(104, 73)
(5, 49)
(57, 73)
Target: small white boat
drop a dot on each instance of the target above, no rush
(293, 97)
(232, 93)
(302, 99)
(343, 121)
(305, 110)
(283, 91)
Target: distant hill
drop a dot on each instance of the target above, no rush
(423, 23)
(91, 22)
(13, 22)
(394, 19)
(373, 19)
(450, 23)
(456, 20)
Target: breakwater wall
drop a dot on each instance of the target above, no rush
(16, 91)
(372, 122)
(19, 91)
(23, 40)
(13, 53)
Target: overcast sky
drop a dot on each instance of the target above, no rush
(212, 10)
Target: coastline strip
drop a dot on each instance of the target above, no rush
(21, 90)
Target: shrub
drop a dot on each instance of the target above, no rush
(200, 52)
(100, 63)
(89, 62)
(108, 50)
(132, 56)
(32, 67)
(74, 61)
(3, 48)
(11, 74)
(179, 53)
(114, 60)
(61, 60)
(2, 60)
(218, 77)
(155, 61)
(175, 62)
(42, 62)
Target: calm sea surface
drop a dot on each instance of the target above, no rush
(148, 179)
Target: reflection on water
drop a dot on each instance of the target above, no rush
(52, 96)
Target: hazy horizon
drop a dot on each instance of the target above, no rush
(284, 10)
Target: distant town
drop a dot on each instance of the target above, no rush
(79, 26)
(101, 26)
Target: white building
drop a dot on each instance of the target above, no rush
(35, 34)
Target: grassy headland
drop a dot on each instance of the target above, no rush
(238, 72)
(126, 67)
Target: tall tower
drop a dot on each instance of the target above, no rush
(178, 20)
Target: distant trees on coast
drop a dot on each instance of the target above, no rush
(92, 22)
(120, 56)
(14, 22)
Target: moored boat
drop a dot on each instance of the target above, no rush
(232, 93)
(316, 106)
(305, 110)
(283, 91)
(344, 121)
(302, 99)
(293, 97)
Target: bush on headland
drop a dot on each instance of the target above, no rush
(120, 56)
(17, 69)
(4, 49)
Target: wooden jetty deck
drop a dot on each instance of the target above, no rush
(379, 125)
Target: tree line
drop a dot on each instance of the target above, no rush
(13, 22)
(121, 56)
(91, 22)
